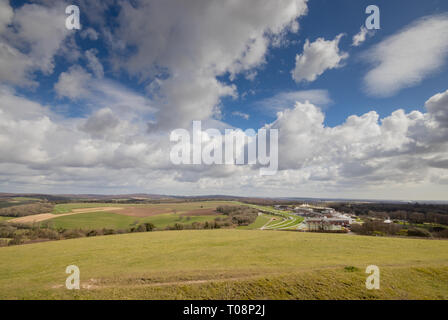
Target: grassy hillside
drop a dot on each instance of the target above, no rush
(226, 264)
(259, 222)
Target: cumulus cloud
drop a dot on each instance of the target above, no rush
(318, 57)
(406, 58)
(226, 37)
(402, 150)
(47, 140)
(6, 14)
(30, 37)
(78, 84)
(94, 64)
(101, 124)
(14, 66)
(438, 108)
(73, 84)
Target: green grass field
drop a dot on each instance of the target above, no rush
(259, 222)
(99, 220)
(226, 264)
(289, 222)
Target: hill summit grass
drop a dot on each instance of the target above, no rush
(226, 264)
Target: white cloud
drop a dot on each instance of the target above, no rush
(90, 34)
(6, 14)
(94, 64)
(30, 37)
(105, 124)
(365, 155)
(78, 84)
(40, 139)
(44, 30)
(284, 100)
(406, 58)
(318, 57)
(241, 115)
(226, 37)
(73, 84)
(360, 37)
(14, 66)
(366, 151)
(438, 108)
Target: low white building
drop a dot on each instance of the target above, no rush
(329, 211)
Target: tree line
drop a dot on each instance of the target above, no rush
(379, 228)
(412, 212)
(27, 209)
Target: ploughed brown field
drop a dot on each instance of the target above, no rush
(143, 212)
(149, 212)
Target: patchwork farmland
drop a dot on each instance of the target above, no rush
(99, 215)
(247, 258)
(104, 215)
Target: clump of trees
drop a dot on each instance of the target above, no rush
(218, 223)
(233, 216)
(376, 228)
(27, 209)
(14, 234)
(239, 215)
(379, 228)
(411, 212)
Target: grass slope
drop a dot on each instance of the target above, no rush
(226, 264)
(290, 221)
(259, 222)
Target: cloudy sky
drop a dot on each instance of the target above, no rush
(360, 113)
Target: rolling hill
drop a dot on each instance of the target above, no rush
(226, 264)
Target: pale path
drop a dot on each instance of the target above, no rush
(93, 283)
(47, 216)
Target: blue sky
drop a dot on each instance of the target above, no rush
(136, 70)
(328, 19)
